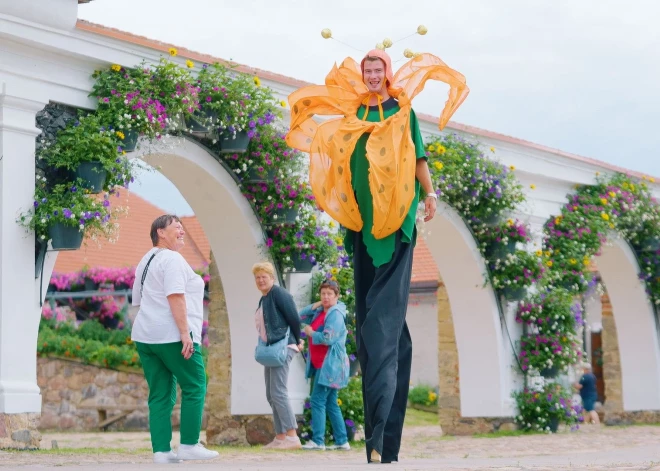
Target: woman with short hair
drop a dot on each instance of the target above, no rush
(275, 318)
(167, 332)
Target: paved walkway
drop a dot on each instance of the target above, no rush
(592, 448)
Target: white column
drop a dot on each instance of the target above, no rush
(19, 307)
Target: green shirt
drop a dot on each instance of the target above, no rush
(380, 250)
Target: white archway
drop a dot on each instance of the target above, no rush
(235, 235)
(485, 386)
(637, 333)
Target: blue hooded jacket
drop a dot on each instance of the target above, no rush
(335, 371)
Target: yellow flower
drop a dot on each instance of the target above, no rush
(509, 222)
(492, 149)
(339, 241)
(597, 173)
(624, 185)
(334, 270)
(612, 194)
(572, 261)
(432, 396)
(257, 81)
(611, 226)
(512, 167)
(586, 261)
(173, 52)
(190, 64)
(283, 104)
(123, 152)
(575, 208)
(539, 253)
(605, 216)
(558, 219)
(332, 224)
(339, 403)
(603, 200)
(652, 180)
(438, 165)
(116, 67)
(532, 186)
(431, 148)
(334, 278)
(547, 253)
(441, 149)
(120, 135)
(549, 263)
(632, 187)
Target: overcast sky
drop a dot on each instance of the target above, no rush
(582, 76)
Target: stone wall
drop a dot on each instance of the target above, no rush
(19, 431)
(68, 386)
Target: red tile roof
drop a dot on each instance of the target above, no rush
(425, 271)
(134, 241)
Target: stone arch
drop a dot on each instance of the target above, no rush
(635, 327)
(477, 384)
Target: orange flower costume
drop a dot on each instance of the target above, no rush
(390, 150)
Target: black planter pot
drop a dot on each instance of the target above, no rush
(129, 143)
(284, 215)
(301, 265)
(230, 143)
(90, 285)
(650, 245)
(354, 366)
(253, 175)
(554, 424)
(93, 175)
(202, 122)
(513, 294)
(500, 250)
(492, 220)
(111, 323)
(350, 433)
(65, 237)
(550, 372)
(121, 286)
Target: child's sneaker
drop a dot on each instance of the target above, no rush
(196, 452)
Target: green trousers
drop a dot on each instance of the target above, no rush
(163, 366)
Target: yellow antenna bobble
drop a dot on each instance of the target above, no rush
(422, 30)
(380, 46)
(387, 42)
(408, 53)
(326, 33)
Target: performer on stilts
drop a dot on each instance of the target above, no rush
(368, 171)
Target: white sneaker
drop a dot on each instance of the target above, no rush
(312, 445)
(196, 452)
(163, 457)
(344, 447)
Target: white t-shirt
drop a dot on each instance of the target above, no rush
(168, 273)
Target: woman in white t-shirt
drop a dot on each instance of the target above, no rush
(167, 332)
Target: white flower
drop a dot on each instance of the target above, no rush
(43, 237)
(82, 226)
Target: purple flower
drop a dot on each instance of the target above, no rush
(36, 204)
(209, 99)
(74, 189)
(350, 423)
(66, 212)
(351, 357)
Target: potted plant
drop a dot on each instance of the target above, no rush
(174, 87)
(241, 106)
(542, 410)
(514, 274)
(91, 152)
(500, 240)
(64, 214)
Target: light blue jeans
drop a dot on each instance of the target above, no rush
(324, 400)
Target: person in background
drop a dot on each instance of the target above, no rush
(167, 333)
(327, 365)
(587, 388)
(275, 314)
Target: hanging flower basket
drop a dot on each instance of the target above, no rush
(513, 293)
(201, 123)
(93, 175)
(354, 366)
(500, 250)
(551, 372)
(65, 237)
(553, 424)
(651, 244)
(301, 265)
(230, 143)
(129, 143)
(284, 216)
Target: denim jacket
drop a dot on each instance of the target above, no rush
(335, 370)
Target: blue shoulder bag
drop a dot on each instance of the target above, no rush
(273, 355)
